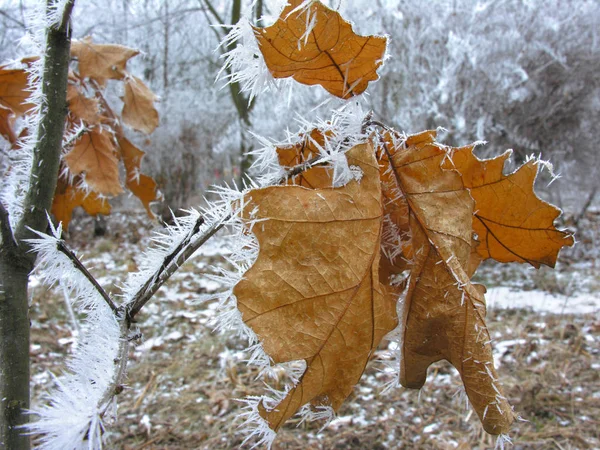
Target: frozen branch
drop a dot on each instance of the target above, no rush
(61, 246)
(186, 248)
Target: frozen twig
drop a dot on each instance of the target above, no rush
(62, 247)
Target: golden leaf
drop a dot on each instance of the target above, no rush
(142, 186)
(444, 312)
(83, 107)
(313, 293)
(69, 196)
(329, 54)
(13, 90)
(512, 223)
(95, 154)
(138, 106)
(101, 62)
(304, 151)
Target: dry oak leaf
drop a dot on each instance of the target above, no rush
(313, 293)
(138, 106)
(68, 197)
(142, 186)
(444, 312)
(95, 154)
(145, 189)
(83, 107)
(328, 53)
(512, 223)
(101, 62)
(307, 148)
(13, 90)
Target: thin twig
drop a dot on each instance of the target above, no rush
(192, 242)
(12, 19)
(66, 15)
(62, 247)
(214, 12)
(6, 232)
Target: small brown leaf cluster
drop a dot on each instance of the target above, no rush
(90, 167)
(323, 287)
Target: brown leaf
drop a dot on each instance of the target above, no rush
(101, 62)
(331, 54)
(13, 90)
(444, 312)
(83, 107)
(6, 125)
(142, 186)
(138, 106)
(512, 223)
(313, 293)
(304, 151)
(69, 196)
(95, 154)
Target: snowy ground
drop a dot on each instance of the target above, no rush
(184, 379)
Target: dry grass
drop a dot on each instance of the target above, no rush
(184, 379)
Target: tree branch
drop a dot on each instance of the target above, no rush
(214, 12)
(8, 238)
(62, 247)
(173, 261)
(66, 16)
(12, 19)
(49, 134)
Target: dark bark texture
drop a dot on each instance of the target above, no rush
(16, 261)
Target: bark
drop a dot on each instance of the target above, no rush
(16, 262)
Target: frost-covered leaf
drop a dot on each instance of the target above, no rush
(313, 294)
(315, 45)
(101, 62)
(511, 222)
(138, 106)
(444, 312)
(94, 154)
(310, 146)
(14, 90)
(83, 107)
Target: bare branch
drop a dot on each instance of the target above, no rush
(214, 12)
(62, 247)
(12, 19)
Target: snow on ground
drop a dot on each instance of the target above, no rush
(542, 302)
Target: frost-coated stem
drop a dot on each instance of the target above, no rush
(172, 262)
(16, 263)
(64, 249)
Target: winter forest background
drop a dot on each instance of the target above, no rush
(519, 74)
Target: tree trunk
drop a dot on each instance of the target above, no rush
(16, 262)
(14, 350)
